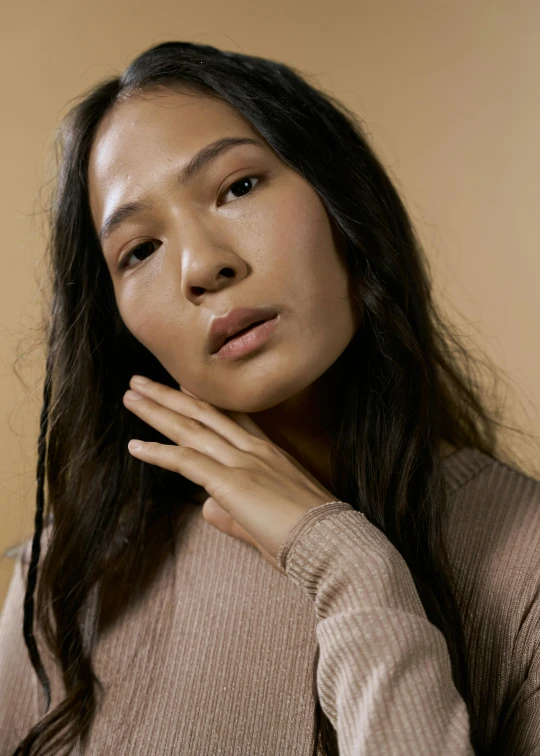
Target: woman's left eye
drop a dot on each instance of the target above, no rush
(242, 184)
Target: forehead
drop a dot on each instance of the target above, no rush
(151, 126)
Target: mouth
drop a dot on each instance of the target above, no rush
(243, 330)
(237, 323)
(248, 340)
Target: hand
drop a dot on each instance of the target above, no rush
(257, 491)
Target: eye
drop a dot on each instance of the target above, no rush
(123, 262)
(242, 183)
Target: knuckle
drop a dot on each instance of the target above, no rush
(193, 424)
(202, 410)
(186, 452)
(269, 449)
(203, 407)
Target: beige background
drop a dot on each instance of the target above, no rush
(449, 93)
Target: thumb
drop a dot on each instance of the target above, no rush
(216, 516)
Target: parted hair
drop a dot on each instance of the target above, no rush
(406, 382)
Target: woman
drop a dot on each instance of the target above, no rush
(363, 527)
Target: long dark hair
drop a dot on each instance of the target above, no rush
(403, 388)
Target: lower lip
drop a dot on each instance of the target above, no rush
(248, 341)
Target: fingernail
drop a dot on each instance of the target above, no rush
(132, 395)
(140, 379)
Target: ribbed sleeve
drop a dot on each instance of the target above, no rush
(384, 676)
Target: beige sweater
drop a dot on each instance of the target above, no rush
(217, 658)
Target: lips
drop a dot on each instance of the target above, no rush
(235, 321)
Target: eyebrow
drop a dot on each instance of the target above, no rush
(200, 160)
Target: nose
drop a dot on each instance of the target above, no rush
(205, 263)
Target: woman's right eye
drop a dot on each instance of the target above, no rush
(135, 250)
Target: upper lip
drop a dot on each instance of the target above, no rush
(227, 325)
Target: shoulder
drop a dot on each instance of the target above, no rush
(21, 551)
(493, 535)
(493, 498)
(494, 512)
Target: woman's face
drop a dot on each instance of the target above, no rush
(207, 249)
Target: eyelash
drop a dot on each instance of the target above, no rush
(122, 264)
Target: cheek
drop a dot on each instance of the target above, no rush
(159, 325)
(302, 258)
(148, 318)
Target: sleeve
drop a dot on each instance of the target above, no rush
(384, 676)
(519, 724)
(18, 701)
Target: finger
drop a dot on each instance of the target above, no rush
(184, 431)
(239, 429)
(242, 418)
(191, 463)
(185, 391)
(247, 422)
(200, 410)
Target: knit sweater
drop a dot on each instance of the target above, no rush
(218, 657)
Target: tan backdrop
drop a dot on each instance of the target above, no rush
(449, 95)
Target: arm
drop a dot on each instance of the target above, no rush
(384, 676)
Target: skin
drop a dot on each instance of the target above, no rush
(274, 239)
